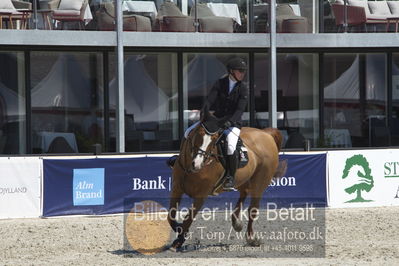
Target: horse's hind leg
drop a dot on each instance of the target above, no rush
(253, 213)
(235, 216)
(197, 204)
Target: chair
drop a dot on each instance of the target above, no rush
(106, 20)
(11, 131)
(288, 22)
(171, 19)
(9, 8)
(356, 16)
(60, 145)
(380, 137)
(295, 140)
(69, 11)
(379, 132)
(261, 18)
(208, 22)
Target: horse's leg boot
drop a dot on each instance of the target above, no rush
(231, 171)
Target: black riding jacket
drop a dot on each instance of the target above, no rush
(228, 106)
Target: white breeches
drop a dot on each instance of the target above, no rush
(232, 134)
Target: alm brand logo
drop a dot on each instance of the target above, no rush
(88, 186)
(357, 171)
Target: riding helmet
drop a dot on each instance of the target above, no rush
(236, 63)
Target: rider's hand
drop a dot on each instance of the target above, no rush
(227, 124)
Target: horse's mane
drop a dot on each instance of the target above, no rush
(208, 120)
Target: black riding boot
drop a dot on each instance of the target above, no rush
(231, 166)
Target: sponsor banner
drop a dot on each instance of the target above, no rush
(363, 178)
(303, 183)
(20, 187)
(99, 186)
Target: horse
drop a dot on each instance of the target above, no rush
(199, 166)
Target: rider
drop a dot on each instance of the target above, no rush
(229, 97)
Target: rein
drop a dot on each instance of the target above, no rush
(207, 154)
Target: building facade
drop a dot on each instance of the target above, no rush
(337, 79)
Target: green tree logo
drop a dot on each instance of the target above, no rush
(357, 168)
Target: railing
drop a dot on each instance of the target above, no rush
(226, 16)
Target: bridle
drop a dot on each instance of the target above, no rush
(208, 155)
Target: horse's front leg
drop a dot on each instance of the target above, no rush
(173, 206)
(197, 204)
(175, 198)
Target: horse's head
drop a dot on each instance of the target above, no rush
(204, 139)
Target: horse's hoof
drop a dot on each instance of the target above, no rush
(172, 248)
(176, 245)
(253, 241)
(237, 225)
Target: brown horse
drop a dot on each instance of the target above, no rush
(199, 167)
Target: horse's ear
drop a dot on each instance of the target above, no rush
(204, 112)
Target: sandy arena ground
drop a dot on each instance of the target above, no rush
(359, 236)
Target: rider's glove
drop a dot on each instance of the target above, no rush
(227, 124)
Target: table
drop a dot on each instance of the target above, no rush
(140, 6)
(296, 9)
(43, 140)
(5, 14)
(88, 15)
(25, 15)
(226, 10)
(337, 137)
(46, 15)
(392, 20)
(144, 8)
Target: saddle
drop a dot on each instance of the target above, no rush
(241, 152)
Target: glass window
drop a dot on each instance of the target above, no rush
(395, 100)
(67, 101)
(151, 111)
(297, 97)
(355, 100)
(200, 73)
(12, 103)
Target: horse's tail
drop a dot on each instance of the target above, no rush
(278, 138)
(276, 134)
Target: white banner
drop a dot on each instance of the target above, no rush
(363, 178)
(20, 187)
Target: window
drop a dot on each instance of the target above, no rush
(355, 100)
(12, 103)
(67, 101)
(297, 97)
(151, 111)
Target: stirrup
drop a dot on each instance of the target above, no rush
(229, 188)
